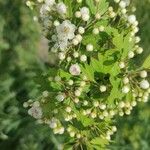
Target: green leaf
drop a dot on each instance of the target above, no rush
(115, 92)
(88, 71)
(146, 63)
(91, 39)
(69, 7)
(92, 6)
(127, 46)
(95, 64)
(86, 121)
(64, 74)
(99, 143)
(103, 6)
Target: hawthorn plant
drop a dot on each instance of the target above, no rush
(96, 77)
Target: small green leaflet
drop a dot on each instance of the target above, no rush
(92, 39)
(99, 142)
(103, 6)
(92, 6)
(69, 7)
(88, 71)
(146, 63)
(86, 121)
(115, 92)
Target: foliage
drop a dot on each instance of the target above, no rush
(133, 131)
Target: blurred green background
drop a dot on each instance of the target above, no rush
(20, 60)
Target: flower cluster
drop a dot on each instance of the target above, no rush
(96, 77)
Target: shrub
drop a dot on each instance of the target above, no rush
(96, 77)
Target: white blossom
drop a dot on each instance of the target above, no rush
(50, 2)
(61, 8)
(84, 10)
(66, 30)
(75, 69)
(53, 123)
(35, 111)
(144, 84)
(131, 19)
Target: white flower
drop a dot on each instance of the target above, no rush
(61, 8)
(122, 4)
(144, 84)
(46, 7)
(84, 10)
(53, 123)
(66, 30)
(35, 111)
(61, 130)
(85, 17)
(50, 2)
(75, 69)
(85, 13)
(127, 2)
(63, 44)
(43, 10)
(132, 19)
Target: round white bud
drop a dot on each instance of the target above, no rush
(103, 88)
(96, 104)
(79, 37)
(75, 54)
(75, 41)
(102, 106)
(85, 17)
(83, 58)
(139, 50)
(60, 97)
(56, 23)
(61, 56)
(122, 65)
(131, 54)
(122, 4)
(81, 30)
(125, 89)
(143, 74)
(121, 104)
(77, 14)
(95, 31)
(131, 19)
(70, 82)
(125, 80)
(76, 100)
(89, 47)
(68, 109)
(101, 28)
(77, 93)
